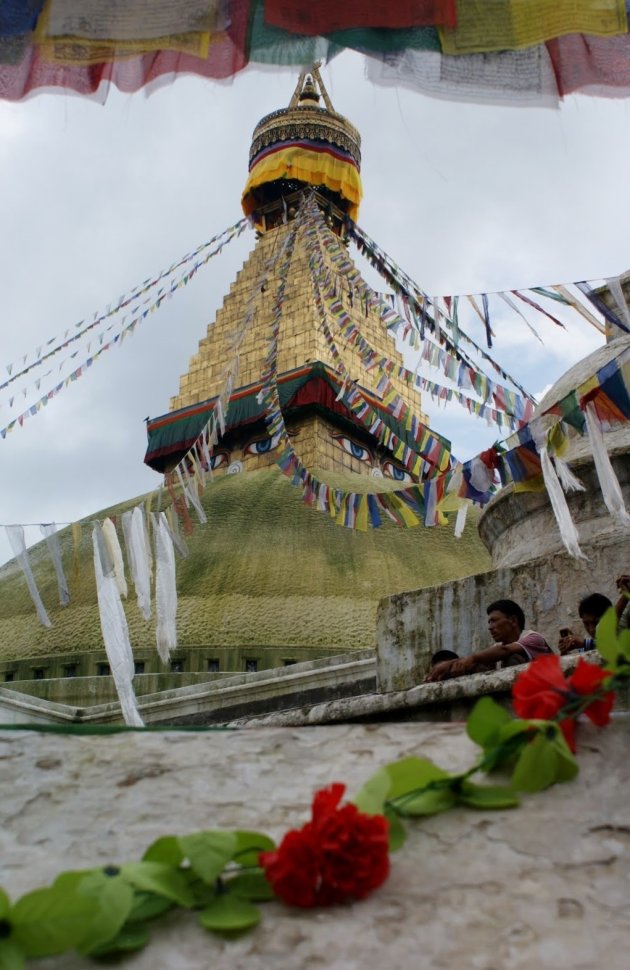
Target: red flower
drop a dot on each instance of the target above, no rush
(341, 854)
(587, 679)
(541, 692)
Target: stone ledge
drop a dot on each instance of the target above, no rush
(447, 700)
(543, 886)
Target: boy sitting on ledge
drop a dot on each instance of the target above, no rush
(512, 644)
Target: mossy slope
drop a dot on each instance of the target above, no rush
(265, 569)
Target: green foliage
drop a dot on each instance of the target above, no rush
(249, 845)
(129, 939)
(114, 898)
(485, 722)
(11, 957)
(209, 852)
(544, 761)
(228, 913)
(486, 796)
(147, 906)
(252, 886)
(51, 920)
(612, 645)
(160, 879)
(166, 849)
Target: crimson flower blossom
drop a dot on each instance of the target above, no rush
(542, 690)
(340, 855)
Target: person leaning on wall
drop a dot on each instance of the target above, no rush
(512, 644)
(590, 610)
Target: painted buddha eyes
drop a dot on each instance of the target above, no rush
(262, 445)
(360, 452)
(218, 460)
(390, 470)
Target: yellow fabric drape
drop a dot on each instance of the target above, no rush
(500, 25)
(315, 168)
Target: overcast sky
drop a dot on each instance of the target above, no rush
(94, 199)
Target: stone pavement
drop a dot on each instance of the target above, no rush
(543, 886)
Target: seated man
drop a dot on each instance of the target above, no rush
(590, 611)
(511, 644)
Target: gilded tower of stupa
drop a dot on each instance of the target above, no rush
(304, 149)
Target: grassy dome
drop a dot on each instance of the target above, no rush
(265, 570)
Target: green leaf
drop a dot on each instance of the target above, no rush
(130, 938)
(486, 796)
(428, 802)
(249, 845)
(536, 769)
(11, 957)
(115, 900)
(410, 773)
(609, 645)
(229, 914)
(165, 849)
(5, 904)
(163, 880)
(250, 885)
(147, 906)
(371, 798)
(208, 852)
(396, 831)
(485, 721)
(49, 921)
(567, 767)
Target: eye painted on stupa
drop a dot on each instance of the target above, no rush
(260, 446)
(390, 470)
(351, 447)
(218, 460)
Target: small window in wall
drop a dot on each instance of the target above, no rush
(213, 665)
(39, 673)
(70, 670)
(103, 670)
(289, 663)
(177, 666)
(9, 676)
(138, 667)
(251, 665)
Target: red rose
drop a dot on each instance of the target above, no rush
(340, 855)
(541, 692)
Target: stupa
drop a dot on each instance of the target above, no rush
(305, 146)
(269, 581)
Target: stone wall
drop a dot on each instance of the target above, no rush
(412, 626)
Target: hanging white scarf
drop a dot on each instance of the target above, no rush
(172, 524)
(460, 521)
(115, 631)
(138, 557)
(52, 541)
(165, 588)
(569, 481)
(608, 482)
(113, 547)
(15, 534)
(566, 525)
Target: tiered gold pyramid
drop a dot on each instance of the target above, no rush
(301, 339)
